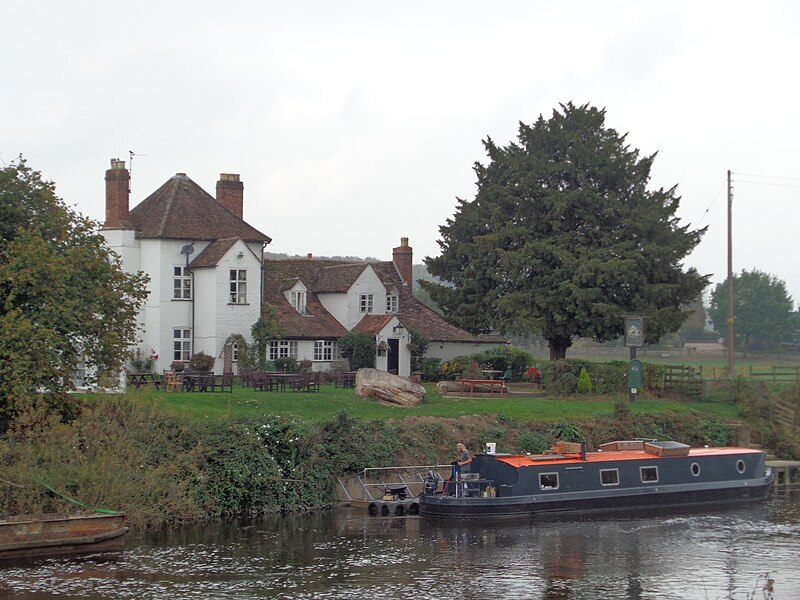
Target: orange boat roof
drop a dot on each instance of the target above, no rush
(611, 456)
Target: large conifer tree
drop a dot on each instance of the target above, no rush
(563, 238)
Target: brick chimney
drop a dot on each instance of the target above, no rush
(118, 181)
(402, 256)
(230, 193)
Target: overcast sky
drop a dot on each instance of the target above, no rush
(354, 124)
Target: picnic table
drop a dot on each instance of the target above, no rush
(471, 384)
(279, 380)
(138, 380)
(197, 382)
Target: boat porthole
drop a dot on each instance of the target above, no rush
(695, 469)
(740, 466)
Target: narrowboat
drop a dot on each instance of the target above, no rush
(50, 535)
(618, 476)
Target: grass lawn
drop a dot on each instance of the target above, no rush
(324, 405)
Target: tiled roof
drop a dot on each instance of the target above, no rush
(213, 253)
(338, 278)
(280, 275)
(416, 315)
(317, 323)
(181, 209)
(373, 324)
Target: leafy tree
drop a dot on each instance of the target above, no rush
(359, 348)
(418, 346)
(63, 295)
(763, 311)
(563, 238)
(267, 328)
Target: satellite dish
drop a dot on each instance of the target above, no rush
(187, 249)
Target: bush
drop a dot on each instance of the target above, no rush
(201, 362)
(535, 442)
(565, 385)
(430, 368)
(288, 364)
(142, 362)
(359, 348)
(502, 358)
(584, 385)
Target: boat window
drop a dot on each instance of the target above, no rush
(548, 481)
(649, 474)
(695, 469)
(609, 476)
(740, 466)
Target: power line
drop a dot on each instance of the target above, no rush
(769, 176)
(713, 200)
(788, 185)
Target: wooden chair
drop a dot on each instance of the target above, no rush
(300, 382)
(171, 382)
(313, 382)
(222, 382)
(260, 381)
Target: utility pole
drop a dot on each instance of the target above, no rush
(730, 279)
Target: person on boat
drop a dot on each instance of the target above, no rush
(462, 463)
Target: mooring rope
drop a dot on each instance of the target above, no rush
(77, 502)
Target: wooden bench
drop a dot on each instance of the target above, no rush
(345, 379)
(139, 379)
(471, 384)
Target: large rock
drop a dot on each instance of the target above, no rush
(372, 383)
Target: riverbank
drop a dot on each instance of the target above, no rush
(140, 455)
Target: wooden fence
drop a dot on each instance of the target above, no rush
(683, 379)
(774, 374)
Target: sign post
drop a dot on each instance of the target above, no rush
(634, 338)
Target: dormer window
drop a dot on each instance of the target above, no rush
(298, 301)
(391, 303)
(365, 303)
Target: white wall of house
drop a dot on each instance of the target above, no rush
(216, 317)
(366, 283)
(404, 360)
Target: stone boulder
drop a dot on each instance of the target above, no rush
(380, 385)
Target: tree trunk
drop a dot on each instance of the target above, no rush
(558, 347)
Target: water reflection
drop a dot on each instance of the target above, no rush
(346, 554)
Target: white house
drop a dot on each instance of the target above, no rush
(204, 263)
(319, 301)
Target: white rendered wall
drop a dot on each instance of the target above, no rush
(216, 318)
(345, 308)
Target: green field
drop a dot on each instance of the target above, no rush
(324, 405)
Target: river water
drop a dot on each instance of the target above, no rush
(737, 553)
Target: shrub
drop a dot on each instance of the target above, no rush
(584, 385)
(565, 385)
(359, 348)
(287, 364)
(535, 442)
(142, 362)
(430, 368)
(503, 358)
(201, 362)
